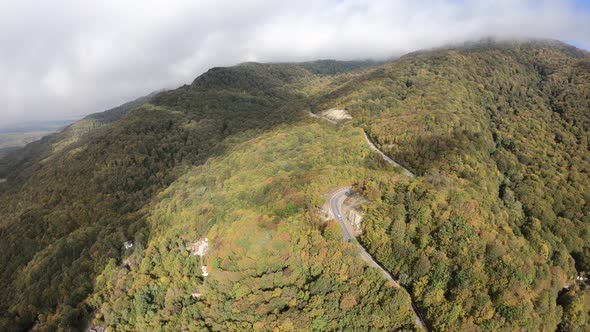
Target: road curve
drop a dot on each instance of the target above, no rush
(336, 211)
(336, 201)
(386, 158)
(335, 204)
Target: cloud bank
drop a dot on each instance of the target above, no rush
(66, 58)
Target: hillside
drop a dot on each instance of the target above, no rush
(499, 135)
(67, 208)
(487, 235)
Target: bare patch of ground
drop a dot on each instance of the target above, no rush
(315, 116)
(351, 209)
(332, 115)
(336, 114)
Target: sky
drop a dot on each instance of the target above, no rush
(62, 59)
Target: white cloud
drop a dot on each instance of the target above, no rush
(66, 57)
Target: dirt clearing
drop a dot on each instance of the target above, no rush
(336, 114)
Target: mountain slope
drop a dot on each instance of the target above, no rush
(499, 134)
(272, 263)
(495, 224)
(67, 208)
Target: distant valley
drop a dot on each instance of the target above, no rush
(19, 135)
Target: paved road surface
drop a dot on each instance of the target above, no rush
(335, 204)
(386, 158)
(336, 211)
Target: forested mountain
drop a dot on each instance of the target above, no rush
(498, 220)
(486, 236)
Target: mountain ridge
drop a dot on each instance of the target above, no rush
(235, 158)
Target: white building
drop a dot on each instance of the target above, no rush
(204, 271)
(199, 248)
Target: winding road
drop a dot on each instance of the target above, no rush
(386, 158)
(335, 210)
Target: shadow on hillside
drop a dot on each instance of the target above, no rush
(64, 218)
(439, 152)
